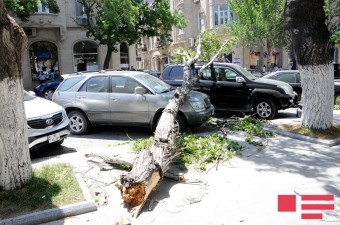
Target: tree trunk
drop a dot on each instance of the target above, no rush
(309, 37)
(15, 162)
(107, 58)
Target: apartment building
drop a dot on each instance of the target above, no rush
(59, 42)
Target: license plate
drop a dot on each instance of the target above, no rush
(53, 138)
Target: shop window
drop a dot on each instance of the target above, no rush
(85, 56)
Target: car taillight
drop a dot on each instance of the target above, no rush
(161, 77)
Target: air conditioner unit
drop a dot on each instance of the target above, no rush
(81, 20)
(31, 32)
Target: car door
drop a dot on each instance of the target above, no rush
(125, 105)
(227, 93)
(93, 98)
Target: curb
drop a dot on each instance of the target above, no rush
(328, 143)
(56, 213)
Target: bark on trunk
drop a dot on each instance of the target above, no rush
(318, 96)
(107, 58)
(15, 162)
(309, 37)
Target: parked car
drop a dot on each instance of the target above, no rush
(47, 89)
(47, 121)
(233, 88)
(125, 98)
(293, 78)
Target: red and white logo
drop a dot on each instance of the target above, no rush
(310, 205)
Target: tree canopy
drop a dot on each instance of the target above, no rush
(114, 21)
(24, 8)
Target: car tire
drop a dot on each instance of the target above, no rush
(179, 123)
(266, 109)
(79, 123)
(48, 93)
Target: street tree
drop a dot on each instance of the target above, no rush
(308, 27)
(15, 162)
(259, 23)
(112, 22)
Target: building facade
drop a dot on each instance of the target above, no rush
(59, 42)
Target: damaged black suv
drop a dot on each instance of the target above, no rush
(232, 88)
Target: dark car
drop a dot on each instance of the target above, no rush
(47, 89)
(293, 78)
(232, 88)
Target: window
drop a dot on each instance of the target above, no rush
(69, 83)
(287, 77)
(96, 84)
(80, 9)
(180, 31)
(176, 73)
(225, 74)
(42, 7)
(124, 85)
(223, 15)
(124, 56)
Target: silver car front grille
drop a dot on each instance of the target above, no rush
(46, 122)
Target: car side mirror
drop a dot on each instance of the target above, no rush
(140, 90)
(240, 80)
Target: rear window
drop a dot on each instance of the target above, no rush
(176, 73)
(69, 83)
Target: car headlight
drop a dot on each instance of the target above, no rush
(198, 106)
(287, 89)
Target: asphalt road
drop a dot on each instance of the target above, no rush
(109, 136)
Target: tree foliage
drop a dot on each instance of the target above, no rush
(24, 8)
(332, 10)
(213, 41)
(114, 21)
(258, 22)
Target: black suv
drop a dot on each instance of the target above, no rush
(233, 88)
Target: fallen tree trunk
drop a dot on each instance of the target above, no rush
(151, 164)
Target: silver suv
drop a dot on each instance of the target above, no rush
(125, 98)
(47, 122)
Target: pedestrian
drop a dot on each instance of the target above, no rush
(264, 69)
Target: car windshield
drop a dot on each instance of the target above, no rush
(154, 83)
(246, 73)
(28, 96)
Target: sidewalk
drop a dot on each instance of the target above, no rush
(243, 191)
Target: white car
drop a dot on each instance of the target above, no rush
(47, 121)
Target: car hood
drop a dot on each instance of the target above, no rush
(271, 81)
(192, 95)
(39, 107)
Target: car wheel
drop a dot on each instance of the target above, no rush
(266, 109)
(78, 122)
(180, 124)
(48, 93)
